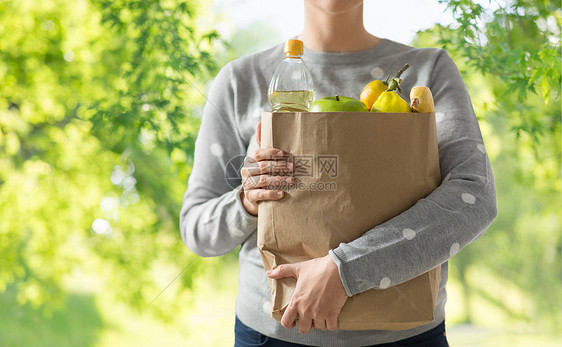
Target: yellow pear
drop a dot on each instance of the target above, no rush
(374, 89)
(390, 102)
(421, 100)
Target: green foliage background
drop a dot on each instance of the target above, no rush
(96, 100)
(99, 107)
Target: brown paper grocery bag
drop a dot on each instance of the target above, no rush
(354, 170)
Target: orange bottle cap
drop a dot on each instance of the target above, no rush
(293, 48)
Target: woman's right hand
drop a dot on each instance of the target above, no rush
(258, 183)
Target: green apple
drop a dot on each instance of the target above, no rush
(338, 104)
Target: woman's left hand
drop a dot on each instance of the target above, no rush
(319, 294)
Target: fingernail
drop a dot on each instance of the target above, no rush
(279, 193)
(268, 272)
(279, 153)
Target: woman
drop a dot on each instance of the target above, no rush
(342, 57)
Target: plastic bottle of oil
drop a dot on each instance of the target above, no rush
(291, 88)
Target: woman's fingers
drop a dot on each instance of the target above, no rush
(264, 176)
(332, 323)
(268, 182)
(289, 317)
(319, 324)
(267, 167)
(256, 195)
(268, 174)
(265, 154)
(305, 324)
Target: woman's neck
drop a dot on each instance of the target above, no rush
(335, 30)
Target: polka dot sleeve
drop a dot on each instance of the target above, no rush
(440, 225)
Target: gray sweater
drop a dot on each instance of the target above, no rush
(213, 221)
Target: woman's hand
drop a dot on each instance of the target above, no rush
(319, 295)
(257, 181)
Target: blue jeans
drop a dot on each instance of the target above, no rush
(248, 337)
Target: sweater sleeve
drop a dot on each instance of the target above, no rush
(213, 220)
(438, 226)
